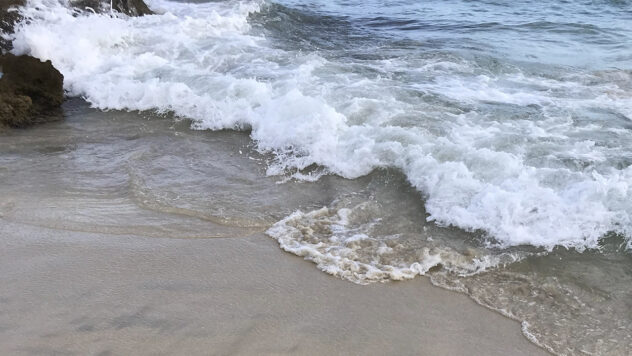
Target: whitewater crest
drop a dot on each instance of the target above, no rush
(492, 148)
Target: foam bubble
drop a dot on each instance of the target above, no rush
(341, 241)
(526, 157)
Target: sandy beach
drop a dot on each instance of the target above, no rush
(84, 293)
(315, 177)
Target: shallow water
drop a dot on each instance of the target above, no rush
(485, 144)
(103, 171)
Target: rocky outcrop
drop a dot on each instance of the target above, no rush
(29, 90)
(128, 7)
(9, 16)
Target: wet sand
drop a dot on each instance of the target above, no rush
(127, 233)
(84, 293)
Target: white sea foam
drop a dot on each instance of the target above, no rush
(504, 153)
(339, 240)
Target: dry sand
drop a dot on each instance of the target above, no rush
(67, 292)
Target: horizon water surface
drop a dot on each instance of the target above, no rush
(500, 134)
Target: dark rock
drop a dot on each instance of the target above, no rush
(15, 110)
(8, 18)
(128, 7)
(29, 90)
(132, 7)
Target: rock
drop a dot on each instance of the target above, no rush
(8, 18)
(15, 110)
(29, 90)
(132, 7)
(128, 7)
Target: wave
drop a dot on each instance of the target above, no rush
(347, 240)
(537, 157)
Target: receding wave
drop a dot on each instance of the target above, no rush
(491, 148)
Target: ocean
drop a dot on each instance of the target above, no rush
(484, 144)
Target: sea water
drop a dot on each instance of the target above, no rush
(492, 139)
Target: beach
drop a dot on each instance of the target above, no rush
(316, 176)
(87, 293)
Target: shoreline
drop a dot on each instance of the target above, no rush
(98, 293)
(68, 227)
(503, 178)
